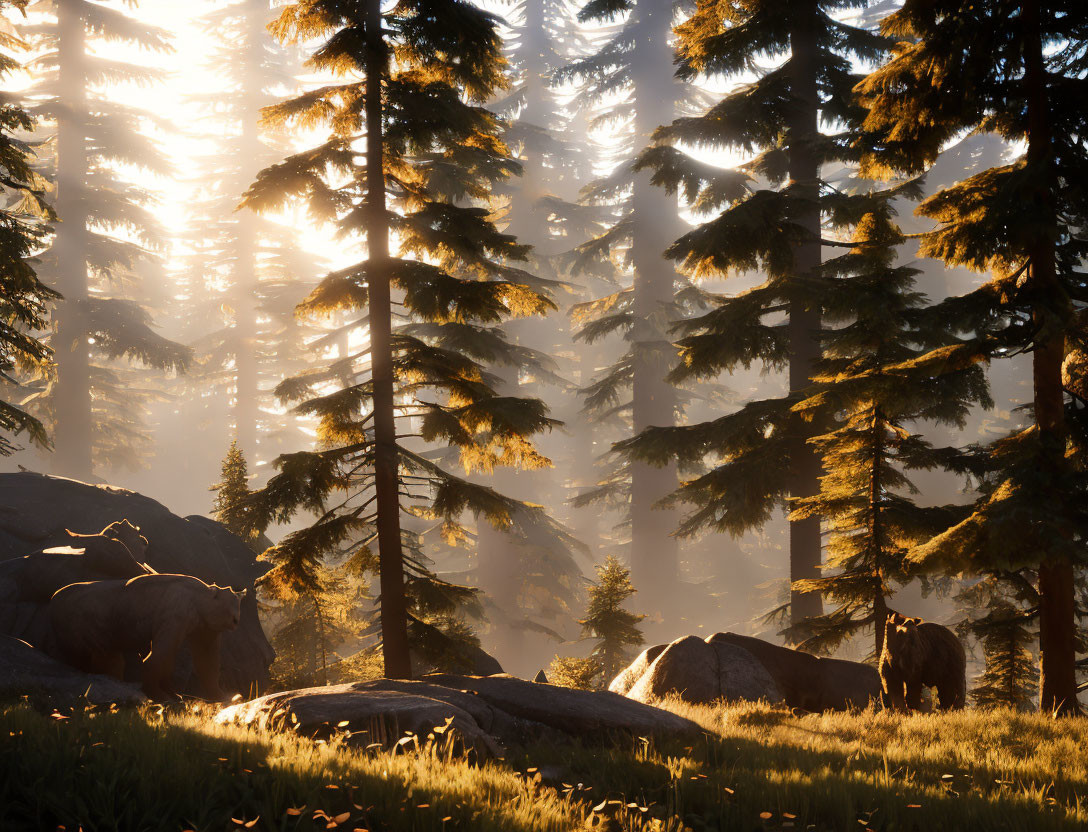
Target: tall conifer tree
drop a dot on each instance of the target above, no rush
(1018, 68)
(531, 580)
(245, 270)
(872, 385)
(25, 302)
(766, 214)
(629, 84)
(105, 238)
(407, 80)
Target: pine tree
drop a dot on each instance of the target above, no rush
(873, 383)
(615, 629)
(105, 240)
(432, 154)
(628, 83)
(232, 496)
(1010, 678)
(530, 578)
(245, 270)
(766, 214)
(25, 302)
(1018, 67)
(309, 629)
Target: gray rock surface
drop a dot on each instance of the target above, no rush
(488, 712)
(25, 671)
(36, 509)
(810, 682)
(697, 671)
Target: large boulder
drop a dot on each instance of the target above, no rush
(486, 711)
(36, 510)
(26, 671)
(696, 671)
(810, 682)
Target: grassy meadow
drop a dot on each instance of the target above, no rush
(757, 769)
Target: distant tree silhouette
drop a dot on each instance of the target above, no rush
(629, 84)
(25, 302)
(103, 258)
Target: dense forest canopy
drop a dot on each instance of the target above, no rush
(549, 328)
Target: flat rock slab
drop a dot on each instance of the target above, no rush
(486, 711)
(25, 671)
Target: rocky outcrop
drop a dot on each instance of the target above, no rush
(486, 712)
(35, 511)
(810, 682)
(696, 671)
(26, 671)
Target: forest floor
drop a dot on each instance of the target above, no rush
(758, 769)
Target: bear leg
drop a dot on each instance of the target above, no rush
(914, 696)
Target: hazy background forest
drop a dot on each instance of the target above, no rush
(209, 294)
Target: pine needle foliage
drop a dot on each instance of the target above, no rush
(104, 255)
(410, 79)
(1019, 68)
(872, 387)
(1011, 677)
(25, 217)
(232, 495)
(767, 214)
(614, 628)
(309, 630)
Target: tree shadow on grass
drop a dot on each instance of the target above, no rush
(130, 772)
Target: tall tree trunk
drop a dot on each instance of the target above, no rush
(876, 487)
(804, 323)
(74, 433)
(394, 618)
(655, 557)
(247, 395)
(1057, 613)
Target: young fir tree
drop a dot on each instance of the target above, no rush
(1019, 68)
(408, 79)
(106, 237)
(629, 84)
(25, 302)
(232, 494)
(615, 629)
(767, 214)
(871, 388)
(309, 629)
(1011, 678)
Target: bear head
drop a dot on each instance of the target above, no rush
(901, 638)
(222, 608)
(125, 532)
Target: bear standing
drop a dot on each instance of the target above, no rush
(95, 624)
(921, 654)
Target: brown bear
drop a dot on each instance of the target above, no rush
(94, 624)
(114, 552)
(919, 654)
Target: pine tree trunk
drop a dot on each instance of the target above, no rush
(1057, 614)
(245, 290)
(804, 323)
(880, 606)
(655, 561)
(74, 433)
(394, 619)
